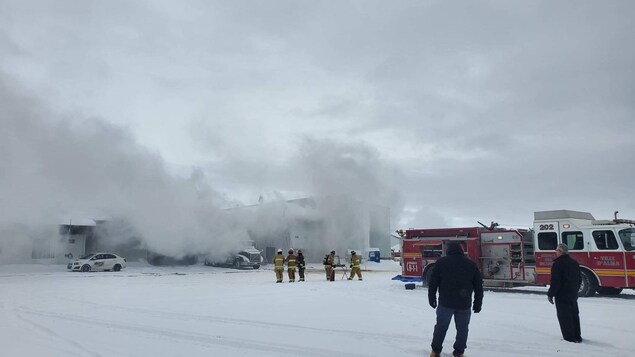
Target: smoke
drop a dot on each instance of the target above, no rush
(52, 164)
(57, 166)
(344, 177)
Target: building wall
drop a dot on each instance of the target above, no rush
(317, 227)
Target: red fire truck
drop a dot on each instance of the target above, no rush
(605, 250)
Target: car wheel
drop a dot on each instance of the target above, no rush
(256, 266)
(237, 264)
(85, 268)
(117, 267)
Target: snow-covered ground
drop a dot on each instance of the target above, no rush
(205, 311)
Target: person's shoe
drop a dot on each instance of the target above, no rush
(457, 354)
(349, 279)
(434, 354)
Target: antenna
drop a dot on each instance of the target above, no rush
(615, 214)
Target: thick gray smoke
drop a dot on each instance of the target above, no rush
(51, 165)
(54, 165)
(344, 176)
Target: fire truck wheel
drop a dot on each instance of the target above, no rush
(607, 290)
(589, 284)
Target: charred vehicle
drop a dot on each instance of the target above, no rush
(247, 258)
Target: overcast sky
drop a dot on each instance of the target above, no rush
(447, 112)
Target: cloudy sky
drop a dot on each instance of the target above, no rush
(447, 112)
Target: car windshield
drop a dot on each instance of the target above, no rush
(87, 256)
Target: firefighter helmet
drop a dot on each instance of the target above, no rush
(279, 250)
(352, 252)
(290, 251)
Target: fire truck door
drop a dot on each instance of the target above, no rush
(608, 259)
(627, 237)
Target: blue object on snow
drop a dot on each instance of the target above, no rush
(373, 255)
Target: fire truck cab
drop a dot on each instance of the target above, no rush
(605, 249)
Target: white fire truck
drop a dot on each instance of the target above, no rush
(605, 250)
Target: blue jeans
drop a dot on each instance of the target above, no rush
(461, 321)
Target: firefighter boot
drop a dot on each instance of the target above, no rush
(434, 354)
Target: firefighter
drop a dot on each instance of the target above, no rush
(301, 265)
(278, 262)
(355, 266)
(329, 265)
(291, 265)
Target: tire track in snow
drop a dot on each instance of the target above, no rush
(389, 338)
(76, 345)
(278, 348)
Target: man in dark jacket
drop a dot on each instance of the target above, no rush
(565, 282)
(456, 277)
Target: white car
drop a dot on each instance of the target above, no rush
(98, 262)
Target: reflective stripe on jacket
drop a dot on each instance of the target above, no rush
(278, 261)
(291, 259)
(355, 261)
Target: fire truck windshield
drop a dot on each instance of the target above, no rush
(627, 236)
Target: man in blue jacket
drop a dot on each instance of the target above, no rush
(456, 277)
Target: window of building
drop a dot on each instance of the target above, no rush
(605, 240)
(547, 241)
(574, 240)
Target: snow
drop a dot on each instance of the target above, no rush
(205, 311)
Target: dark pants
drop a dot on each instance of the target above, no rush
(569, 319)
(461, 321)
